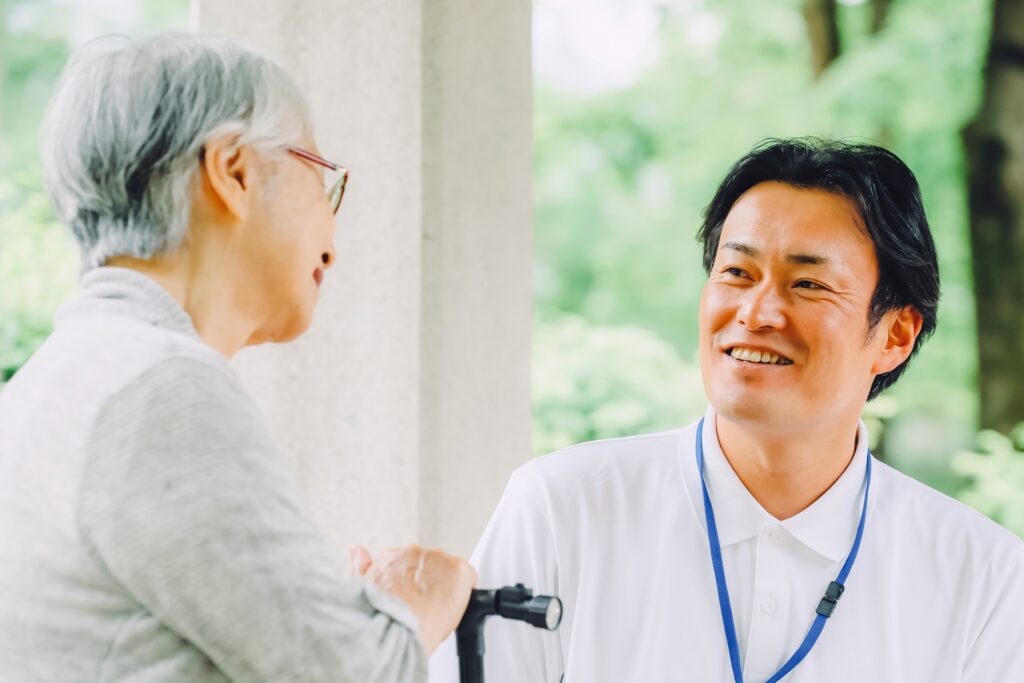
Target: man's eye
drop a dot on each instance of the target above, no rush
(807, 284)
(735, 272)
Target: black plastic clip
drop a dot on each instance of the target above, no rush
(828, 603)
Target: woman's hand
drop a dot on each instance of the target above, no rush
(435, 585)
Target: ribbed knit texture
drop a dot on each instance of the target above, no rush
(149, 531)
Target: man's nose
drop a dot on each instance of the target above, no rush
(762, 307)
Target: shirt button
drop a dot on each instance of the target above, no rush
(768, 606)
(776, 537)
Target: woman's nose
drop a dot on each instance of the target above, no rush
(328, 257)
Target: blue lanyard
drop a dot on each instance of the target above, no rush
(825, 607)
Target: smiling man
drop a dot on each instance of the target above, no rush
(764, 542)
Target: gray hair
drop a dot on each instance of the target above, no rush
(123, 134)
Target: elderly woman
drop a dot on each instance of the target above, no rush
(148, 529)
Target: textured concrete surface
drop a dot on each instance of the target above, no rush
(406, 406)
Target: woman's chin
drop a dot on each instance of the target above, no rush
(295, 328)
(286, 330)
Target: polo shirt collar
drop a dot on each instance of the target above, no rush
(827, 526)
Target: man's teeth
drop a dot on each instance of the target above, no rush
(740, 353)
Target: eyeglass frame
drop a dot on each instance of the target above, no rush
(338, 187)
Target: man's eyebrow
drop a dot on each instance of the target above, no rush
(807, 259)
(801, 259)
(742, 248)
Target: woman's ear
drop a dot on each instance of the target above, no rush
(227, 172)
(900, 338)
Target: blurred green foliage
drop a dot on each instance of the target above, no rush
(38, 264)
(588, 383)
(996, 471)
(38, 258)
(622, 177)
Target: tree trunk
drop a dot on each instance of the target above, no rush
(879, 15)
(994, 145)
(823, 33)
(879, 12)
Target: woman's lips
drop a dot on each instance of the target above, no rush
(318, 275)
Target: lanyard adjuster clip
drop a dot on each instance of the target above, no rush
(831, 598)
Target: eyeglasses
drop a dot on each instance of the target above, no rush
(337, 188)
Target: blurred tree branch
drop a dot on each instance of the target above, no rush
(879, 13)
(995, 175)
(823, 33)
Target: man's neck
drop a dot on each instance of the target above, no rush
(784, 472)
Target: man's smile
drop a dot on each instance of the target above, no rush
(756, 355)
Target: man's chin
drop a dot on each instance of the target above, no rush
(753, 407)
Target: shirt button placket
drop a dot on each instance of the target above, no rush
(766, 638)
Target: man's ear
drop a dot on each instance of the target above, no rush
(900, 337)
(227, 172)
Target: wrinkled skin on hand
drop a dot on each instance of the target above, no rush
(435, 585)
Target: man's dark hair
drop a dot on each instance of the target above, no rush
(889, 199)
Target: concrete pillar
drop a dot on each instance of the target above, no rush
(407, 405)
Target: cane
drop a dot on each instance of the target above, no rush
(511, 602)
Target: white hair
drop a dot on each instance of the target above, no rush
(123, 135)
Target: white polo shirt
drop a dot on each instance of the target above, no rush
(616, 528)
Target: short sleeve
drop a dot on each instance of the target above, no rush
(187, 505)
(518, 546)
(997, 655)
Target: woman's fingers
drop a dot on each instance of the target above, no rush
(359, 560)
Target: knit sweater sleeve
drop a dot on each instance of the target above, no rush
(186, 503)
